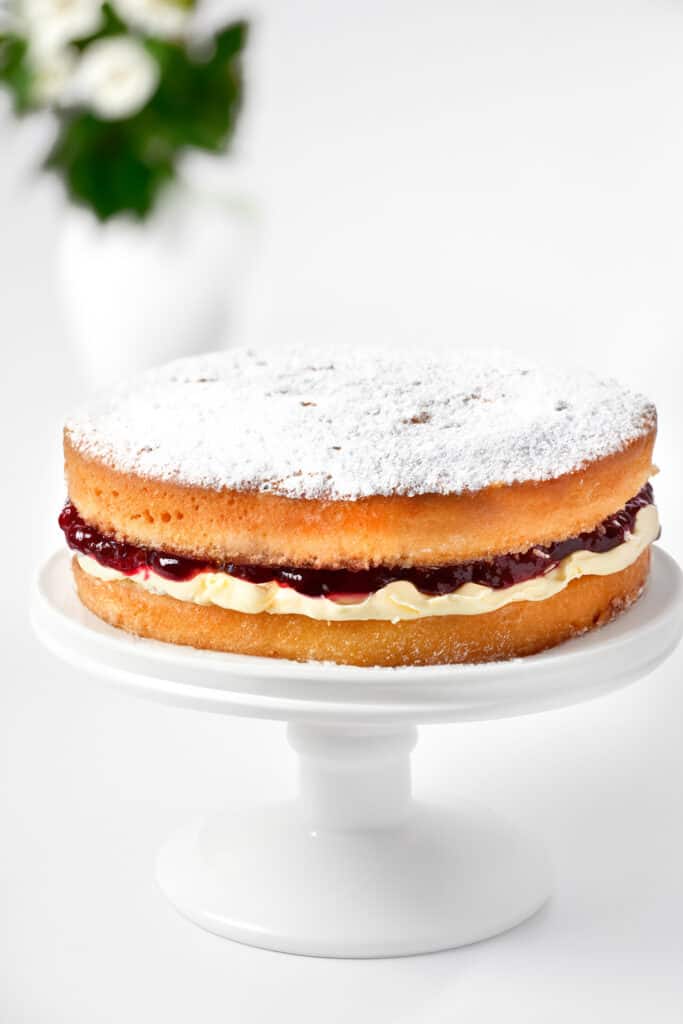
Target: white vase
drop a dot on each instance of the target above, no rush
(139, 293)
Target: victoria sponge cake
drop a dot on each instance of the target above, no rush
(361, 507)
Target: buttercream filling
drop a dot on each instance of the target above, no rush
(401, 599)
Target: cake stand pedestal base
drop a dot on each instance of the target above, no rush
(354, 867)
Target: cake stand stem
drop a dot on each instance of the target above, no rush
(353, 778)
(354, 867)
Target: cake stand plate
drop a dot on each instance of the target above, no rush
(354, 867)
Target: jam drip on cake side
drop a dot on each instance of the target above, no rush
(498, 573)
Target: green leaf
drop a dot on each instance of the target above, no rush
(107, 166)
(15, 71)
(231, 40)
(199, 95)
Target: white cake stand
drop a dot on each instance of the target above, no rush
(354, 867)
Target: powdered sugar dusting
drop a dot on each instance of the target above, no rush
(317, 424)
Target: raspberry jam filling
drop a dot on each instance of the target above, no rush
(498, 573)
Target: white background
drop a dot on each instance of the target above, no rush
(503, 174)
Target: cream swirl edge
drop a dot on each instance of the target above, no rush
(396, 601)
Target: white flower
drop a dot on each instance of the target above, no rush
(166, 18)
(52, 71)
(53, 23)
(115, 77)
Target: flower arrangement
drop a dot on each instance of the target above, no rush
(130, 86)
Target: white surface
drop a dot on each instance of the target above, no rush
(356, 868)
(496, 171)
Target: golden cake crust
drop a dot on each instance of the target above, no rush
(429, 529)
(518, 629)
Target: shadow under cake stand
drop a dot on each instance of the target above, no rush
(354, 867)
